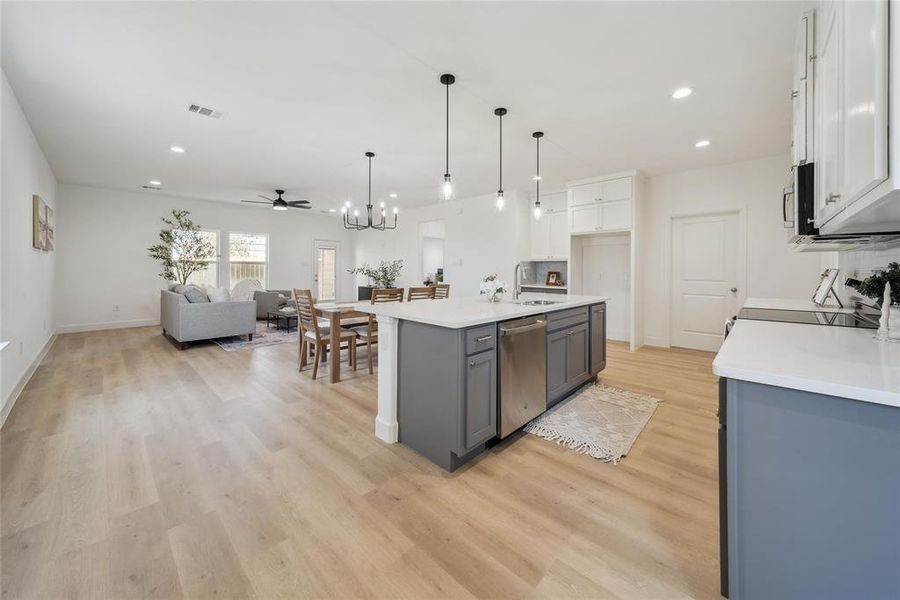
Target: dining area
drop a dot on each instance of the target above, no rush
(329, 328)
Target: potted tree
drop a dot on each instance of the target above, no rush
(183, 249)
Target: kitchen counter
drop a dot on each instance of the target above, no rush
(837, 361)
(794, 304)
(458, 313)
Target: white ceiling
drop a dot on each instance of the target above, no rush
(306, 88)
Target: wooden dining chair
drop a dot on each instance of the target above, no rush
(441, 291)
(420, 293)
(311, 332)
(369, 332)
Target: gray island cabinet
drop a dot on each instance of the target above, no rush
(447, 379)
(809, 463)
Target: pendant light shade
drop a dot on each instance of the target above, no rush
(537, 135)
(370, 223)
(448, 187)
(500, 112)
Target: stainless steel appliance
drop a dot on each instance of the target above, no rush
(523, 372)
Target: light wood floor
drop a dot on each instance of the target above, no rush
(132, 470)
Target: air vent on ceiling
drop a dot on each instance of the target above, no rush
(206, 112)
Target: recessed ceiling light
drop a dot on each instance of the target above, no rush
(702, 144)
(392, 195)
(177, 149)
(682, 93)
(332, 210)
(155, 182)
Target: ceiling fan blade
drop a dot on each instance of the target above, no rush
(297, 203)
(255, 202)
(266, 197)
(304, 206)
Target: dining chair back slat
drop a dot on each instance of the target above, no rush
(420, 293)
(441, 291)
(306, 311)
(387, 295)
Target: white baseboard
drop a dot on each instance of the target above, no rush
(107, 325)
(23, 381)
(650, 340)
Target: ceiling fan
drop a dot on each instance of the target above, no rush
(280, 203)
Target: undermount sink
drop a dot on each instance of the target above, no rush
(540, 302)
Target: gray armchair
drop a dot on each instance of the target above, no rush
(186, 322)
(269, 301)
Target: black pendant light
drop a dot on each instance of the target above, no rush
(447, 188)
(537, 135)
(500, 112)
(370, 221)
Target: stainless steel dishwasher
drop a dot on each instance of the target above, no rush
(523, 372)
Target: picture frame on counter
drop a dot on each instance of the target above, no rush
(554, 278)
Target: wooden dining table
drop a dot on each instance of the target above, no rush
(336, 313)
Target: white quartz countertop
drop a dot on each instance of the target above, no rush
(794, 304)
(837, 361)
(457, 313)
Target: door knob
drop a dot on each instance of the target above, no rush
(733, 290)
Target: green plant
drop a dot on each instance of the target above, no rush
(873, 285)
(183, 248)
(385, 274)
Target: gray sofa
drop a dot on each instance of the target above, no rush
(186, 322)
(268, 301)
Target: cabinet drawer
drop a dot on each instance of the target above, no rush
(479, 339)
(566, 318)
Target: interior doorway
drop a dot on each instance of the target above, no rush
(325, 274)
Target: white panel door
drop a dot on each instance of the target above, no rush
(605, 271)
(325, 276)
(708, 262)
(827, 139)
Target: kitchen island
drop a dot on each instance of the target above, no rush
(438, 364)
(809, 451)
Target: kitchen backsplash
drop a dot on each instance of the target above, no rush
(537, 271)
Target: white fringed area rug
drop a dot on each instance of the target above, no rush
(601, 421)
(264, 336)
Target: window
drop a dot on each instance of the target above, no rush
(248, 256)
(209, 275)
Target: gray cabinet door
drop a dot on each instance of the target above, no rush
(480, 403)
(556, 365)
(598, 338)
(577, 351)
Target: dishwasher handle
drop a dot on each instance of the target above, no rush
(504, 331)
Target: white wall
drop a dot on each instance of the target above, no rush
(26, 274)
(478, 241)
(773, 268)
(102, 237)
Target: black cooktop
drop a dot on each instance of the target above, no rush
(807, 316)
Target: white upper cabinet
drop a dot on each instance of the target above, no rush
(601, 206)
(851, 126)
(550, 233)
(802, 93)
(864, 105)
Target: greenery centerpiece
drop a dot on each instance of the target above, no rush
(873, 285)
(384, 275)
(183, 248)
(493, 288)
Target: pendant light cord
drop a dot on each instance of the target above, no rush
(447, 131)
(370, 182)
(537, 182)
(501, 153)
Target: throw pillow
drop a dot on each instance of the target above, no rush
(195, 295)
(219, 294)
(172, 287)
(179, 289)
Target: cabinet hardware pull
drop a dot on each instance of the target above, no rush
(471, 363)
(483, 338)
(794, 94)
(832, 198)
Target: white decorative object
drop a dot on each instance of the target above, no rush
(244, 289)
(218, 294)
(493, 288)
(884, 323)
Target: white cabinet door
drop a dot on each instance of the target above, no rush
(586, 194)
(585, 219)
(828, 115)
(615, 215)
(800, 93)
(616, 189)
(864, 106)
(559, 234)
(540, 238)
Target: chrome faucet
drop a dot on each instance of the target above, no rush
(517, 281)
